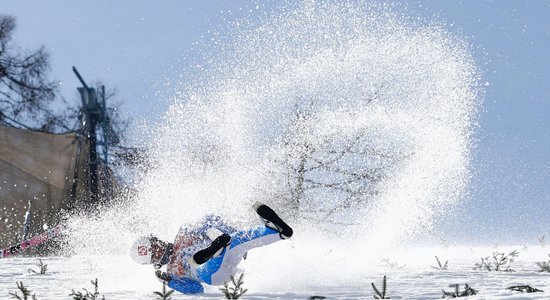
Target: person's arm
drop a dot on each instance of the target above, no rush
(181, 284)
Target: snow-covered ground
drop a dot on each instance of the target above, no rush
(409, 276)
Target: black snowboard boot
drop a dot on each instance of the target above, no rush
(272, 220)
(207, 253)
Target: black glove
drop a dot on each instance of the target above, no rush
(163, 276)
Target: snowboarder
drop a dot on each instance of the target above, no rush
(209, 253)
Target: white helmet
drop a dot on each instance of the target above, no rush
(141, 250)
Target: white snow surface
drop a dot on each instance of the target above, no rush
(409, 276)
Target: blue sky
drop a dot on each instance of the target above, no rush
(137, 45)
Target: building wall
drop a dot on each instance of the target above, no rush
(38, 168)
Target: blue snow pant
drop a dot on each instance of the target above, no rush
(219, 270)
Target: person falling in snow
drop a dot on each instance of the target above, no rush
(209, 253)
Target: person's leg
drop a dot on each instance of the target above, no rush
(218, 270)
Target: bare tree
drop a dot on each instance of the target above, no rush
(26, 96)
(25, 91)
(328, 174)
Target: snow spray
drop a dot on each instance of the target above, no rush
(350, 119)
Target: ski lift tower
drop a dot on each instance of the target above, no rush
(92, 116)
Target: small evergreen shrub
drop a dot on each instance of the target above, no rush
(468, 291)
(164, 295)
(392, 264)
(86, 295)
(42, 267)
(441, 266)
(24, 290)
(498, 262)
(377, 293)
(236, 291)
(523, 289)
(544, 265)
